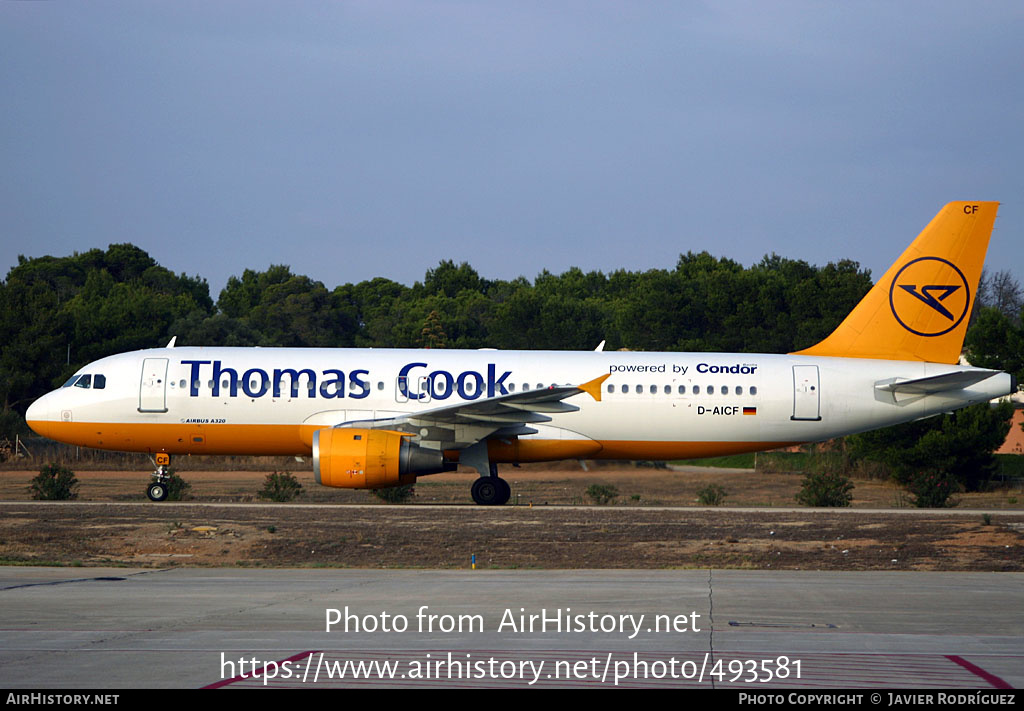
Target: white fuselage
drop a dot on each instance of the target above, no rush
(652, 406)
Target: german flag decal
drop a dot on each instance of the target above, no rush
(749, 410)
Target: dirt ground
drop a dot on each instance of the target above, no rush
(552, 524)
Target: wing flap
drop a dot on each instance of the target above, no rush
(466, 423)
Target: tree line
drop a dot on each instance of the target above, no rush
(60, 313)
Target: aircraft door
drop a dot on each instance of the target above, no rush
(405, 390)
(806, 393)
(153, 385)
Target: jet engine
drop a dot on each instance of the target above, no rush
(371, 459)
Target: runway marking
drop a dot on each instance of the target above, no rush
(990, 678)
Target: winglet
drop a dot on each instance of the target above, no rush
(593, 387)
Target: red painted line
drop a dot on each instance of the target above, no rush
(990, 678)
(246, 677)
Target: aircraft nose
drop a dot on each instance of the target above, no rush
(39, 415)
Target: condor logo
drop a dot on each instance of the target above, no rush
(929, 296)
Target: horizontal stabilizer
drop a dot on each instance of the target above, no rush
(936, 383)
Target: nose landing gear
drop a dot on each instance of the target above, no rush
(157, 491)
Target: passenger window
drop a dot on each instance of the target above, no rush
(753, 390)
(668, 389)
(739, 389)
(611, 388)
(711, 390)
(725, 389)
(84, 382)
(511, 387)
(209, 384)
(540, 386)
(380, 384)
(182, 384)
(682, 389)
(625, 388)
(696, 390)
(654, 390)
(639, 389)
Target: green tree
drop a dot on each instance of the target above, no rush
(825, 488)
(996, 341)
(243, 294)
(432, 334)
(280, 487)
(54, 483)
(62, 312)
(450, 280)
(301, 312)
(960, 444)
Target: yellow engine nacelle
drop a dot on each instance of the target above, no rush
(371, 459)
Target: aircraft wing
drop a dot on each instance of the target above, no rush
(466, 423)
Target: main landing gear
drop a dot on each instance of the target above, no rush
(157, 491)
(490, 489)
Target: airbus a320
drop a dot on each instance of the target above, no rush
(374, 418)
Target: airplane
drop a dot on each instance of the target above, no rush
(377, 418)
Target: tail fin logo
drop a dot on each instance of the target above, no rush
(929, 296)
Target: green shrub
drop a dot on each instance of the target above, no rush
(280, 487)
(54, 483)
(933, 490)
(396, 494)
(711, 495)
(602, 493)
(177, 488)
(825, 489)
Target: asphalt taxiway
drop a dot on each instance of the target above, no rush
(230, 628)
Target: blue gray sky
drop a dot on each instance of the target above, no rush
(351, 140)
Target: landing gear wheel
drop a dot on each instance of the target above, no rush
(491, 491)
(157, 491)
(505, 492)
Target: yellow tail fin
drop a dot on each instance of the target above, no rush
(919, 309)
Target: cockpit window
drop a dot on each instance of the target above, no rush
(86, 381)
